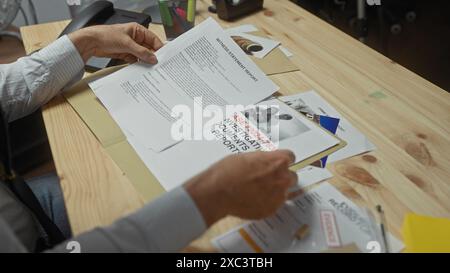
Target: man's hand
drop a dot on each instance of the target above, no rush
(128, 42)
(251, 185)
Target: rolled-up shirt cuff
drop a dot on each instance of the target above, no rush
(63, 60)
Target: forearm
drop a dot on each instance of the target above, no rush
(167, 224)
(209, 196)
(85, 41)
(33, 80)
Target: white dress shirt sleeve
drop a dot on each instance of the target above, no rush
(32, 81)
(167, 224)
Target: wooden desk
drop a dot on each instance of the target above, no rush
(405, 116)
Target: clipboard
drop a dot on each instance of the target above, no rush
(312, 159)
(102, 125)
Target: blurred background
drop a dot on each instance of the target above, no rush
(413, 33)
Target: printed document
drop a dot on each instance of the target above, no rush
(288, 130)
(319, 220)
(310, 103)
(252, 44)
(203, 62)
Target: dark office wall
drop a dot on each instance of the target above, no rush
(422, 46)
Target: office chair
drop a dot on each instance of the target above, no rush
(8, 12)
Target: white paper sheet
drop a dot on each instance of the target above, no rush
(311, 175)
(204, 62)
(267, 44)
(357, 143)
(308, 176)
(333, 221)
(298, 134)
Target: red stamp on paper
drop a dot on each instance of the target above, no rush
(330, 228)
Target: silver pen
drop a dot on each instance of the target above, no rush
(383, 227)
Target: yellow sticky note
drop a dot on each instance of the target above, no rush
(426, 234)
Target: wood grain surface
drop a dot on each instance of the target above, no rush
(405, 116)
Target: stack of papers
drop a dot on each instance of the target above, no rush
(214, 65)
(278, 233)
(317, 221)
(304, 138)
(204, 62)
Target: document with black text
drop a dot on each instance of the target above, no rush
(202, 63)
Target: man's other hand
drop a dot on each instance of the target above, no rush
(250, 185)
